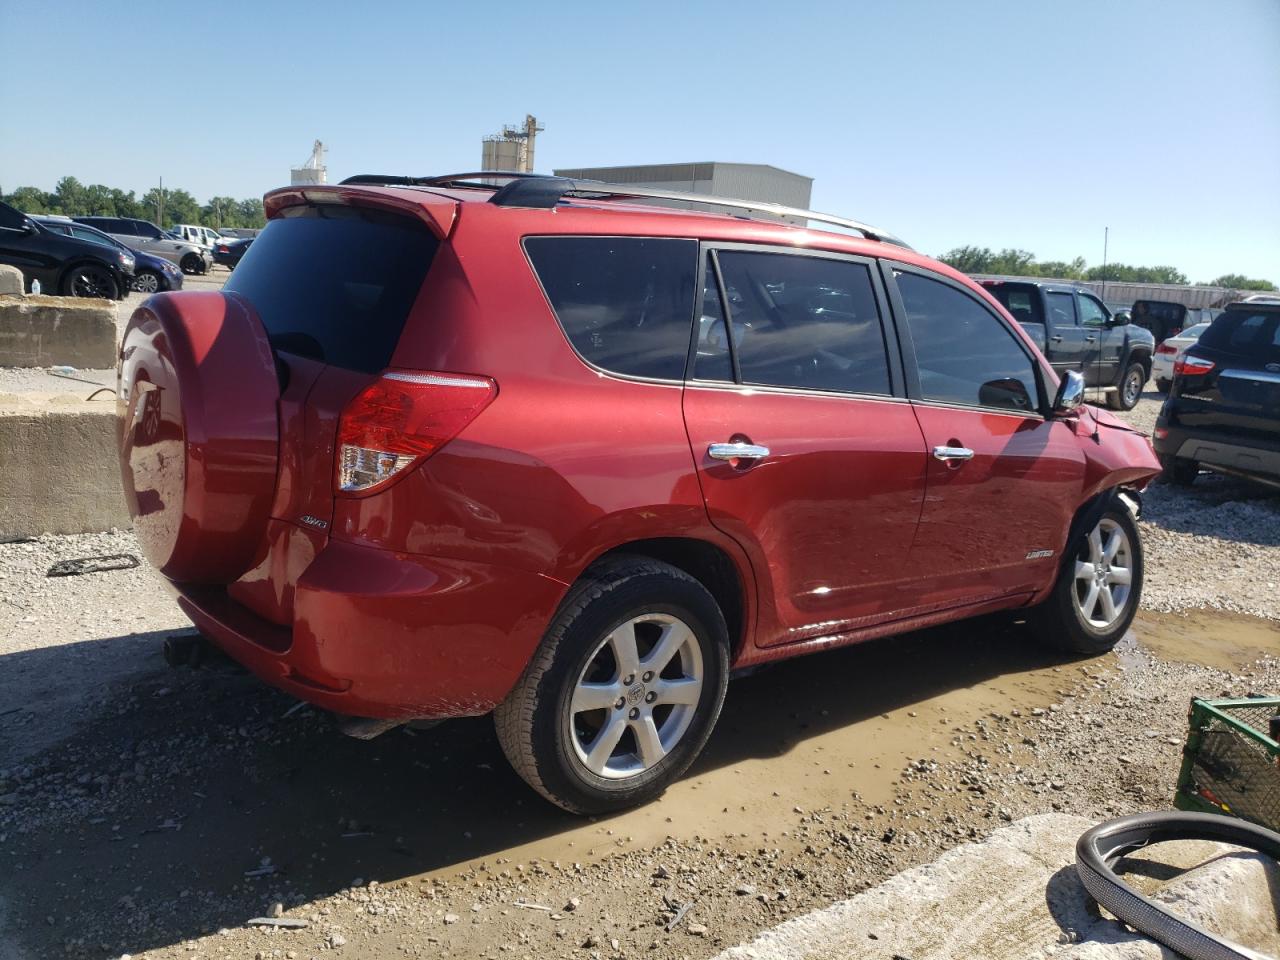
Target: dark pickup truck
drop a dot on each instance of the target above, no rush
(1075, 331)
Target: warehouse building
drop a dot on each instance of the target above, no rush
(745, 181)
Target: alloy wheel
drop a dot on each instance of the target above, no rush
(636, 696)
(1104, 575)
(146, 282)
(90, 281)
(1132, 388)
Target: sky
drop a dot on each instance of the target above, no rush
(1004, 124)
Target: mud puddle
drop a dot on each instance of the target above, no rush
(1224, 641)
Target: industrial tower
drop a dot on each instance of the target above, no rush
(511, 151)
(313, 171)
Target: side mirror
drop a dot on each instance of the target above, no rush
(28, 226)
(1070, 393)
(1120, 318)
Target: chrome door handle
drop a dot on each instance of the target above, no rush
(1090, 339)
(1056, 339)
(737, 451)
(952, 453)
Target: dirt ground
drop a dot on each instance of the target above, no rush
(153, 812)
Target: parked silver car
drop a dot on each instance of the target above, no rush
(146, 236)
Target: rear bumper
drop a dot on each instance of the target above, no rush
(379, 634)
(1211, 448)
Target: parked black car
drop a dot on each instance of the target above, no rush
(229, 252)
(64, 265)
(1223, 411)
(1076, 331)
(151, 274)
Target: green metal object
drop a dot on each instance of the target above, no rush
(1231, 762)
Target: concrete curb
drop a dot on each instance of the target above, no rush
(61, 468)
(1015, 896)
(40, 331)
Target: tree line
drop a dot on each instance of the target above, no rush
(72, 198)
(1023, 263)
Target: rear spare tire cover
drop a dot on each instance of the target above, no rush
(198, 433)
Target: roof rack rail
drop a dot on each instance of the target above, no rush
(548, 191)
(545, 192)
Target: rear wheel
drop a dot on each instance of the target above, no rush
(1178, 471)
(191, 263)
(1130, 388)
(1098, 588)
(90, 280)
(624, 691)
(1164, 386)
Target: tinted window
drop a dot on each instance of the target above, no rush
(964, 354)
(148, 230)
(1022, 301)
(1062, 309)
(712, 361)
(10, 218)
(93, 236)
(805, 322)
(1091, 312)
(1245, 332)
(626, 303)
(336, 283)
(110, 225)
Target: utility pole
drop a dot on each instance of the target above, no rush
(160, 206)
(1106, 232)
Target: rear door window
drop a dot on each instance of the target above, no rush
(336, 283)
(1022, 301)
(802, 321)
(964, 353)
(625, 303)
(1062, 309)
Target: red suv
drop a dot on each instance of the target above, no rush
(445, 447)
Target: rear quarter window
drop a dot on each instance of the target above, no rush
(625, 303)
(336, 283)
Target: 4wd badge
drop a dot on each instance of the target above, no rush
(316, 522)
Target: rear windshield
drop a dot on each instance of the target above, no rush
(1253, 333)
(336, 283)
(626, 303)
(1021, 300)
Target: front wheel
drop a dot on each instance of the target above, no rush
(1098, 589)
(146, 281)
(1130, 389)
(90, 280)
(624, 691)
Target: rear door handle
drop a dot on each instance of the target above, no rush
(1057, 339)
(1090, 339)
(946, 454)
(737, 451)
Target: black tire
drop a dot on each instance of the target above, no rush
(533, 723)
(147, 281)
(90, 280)
(1130, 388)
(1179, 472)
(191, 264)
(1059, 622)
(1164, 386)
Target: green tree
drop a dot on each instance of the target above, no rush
(969, 259)
(221, 212)
(251, 213)
(1062, 269)
(31, 200)
(1236, 281)
(71, 197)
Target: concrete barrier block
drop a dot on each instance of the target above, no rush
(41, 331)
(11, 280)
(61, 472)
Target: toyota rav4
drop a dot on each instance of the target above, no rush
(537, 447)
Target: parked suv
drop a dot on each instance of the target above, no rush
(441, 448)
(1076, 331)
(146, 236)
(1223, 410)
(67, 266)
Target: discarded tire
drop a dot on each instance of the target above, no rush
(1098, 849)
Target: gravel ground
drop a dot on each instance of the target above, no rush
(154, 812)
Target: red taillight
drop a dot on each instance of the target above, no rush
(223, 248)
(401, 419)
(1165, 348)
(1192, 366)
(1161, 432)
